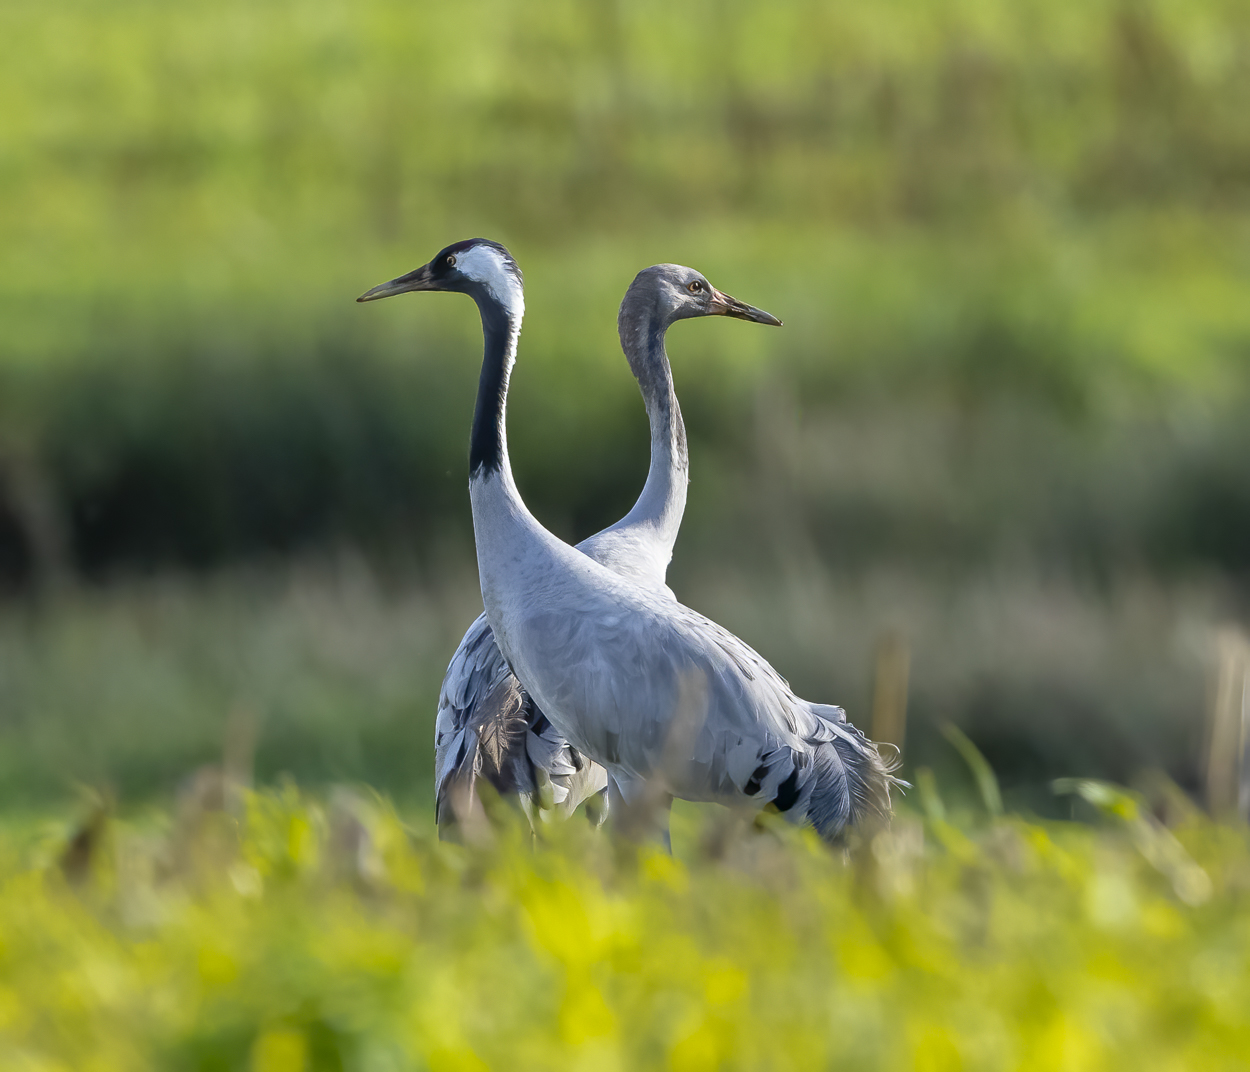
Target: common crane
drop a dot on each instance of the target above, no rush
(650, 689)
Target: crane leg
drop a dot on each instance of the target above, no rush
(644, 818)
(597, 807)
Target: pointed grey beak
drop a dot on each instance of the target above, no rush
(724, 305)
(417, 279)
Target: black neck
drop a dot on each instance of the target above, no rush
(488, 445)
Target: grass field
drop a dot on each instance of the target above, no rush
(170, 921)
(293, 932)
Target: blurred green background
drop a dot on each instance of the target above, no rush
(1003, 430)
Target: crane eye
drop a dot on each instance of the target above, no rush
(695, 287)
(451, 260)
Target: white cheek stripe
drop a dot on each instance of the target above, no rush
(486, 266)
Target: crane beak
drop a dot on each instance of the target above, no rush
(724, 305)
(418, 279)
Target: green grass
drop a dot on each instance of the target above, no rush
(309, 933)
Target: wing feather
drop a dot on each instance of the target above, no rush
(488, 727)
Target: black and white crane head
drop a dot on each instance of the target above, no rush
(478, 267)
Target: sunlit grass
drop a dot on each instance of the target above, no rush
(295, 932)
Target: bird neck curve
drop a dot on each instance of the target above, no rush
(662, 502)
(514, 551)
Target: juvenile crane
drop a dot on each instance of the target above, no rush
(650, 689)
(487, 725)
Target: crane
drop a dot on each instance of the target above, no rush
(654, 692)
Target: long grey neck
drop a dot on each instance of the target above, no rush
(663, 499)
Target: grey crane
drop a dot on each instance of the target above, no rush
(621, 670)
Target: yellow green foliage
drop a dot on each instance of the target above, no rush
(297, 934)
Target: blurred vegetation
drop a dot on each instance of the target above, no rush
(334, 667)
(1010, 241)
(1002, 435)
(130, 688)
(281, 932)
(973, 208)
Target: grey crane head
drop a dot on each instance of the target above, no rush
(665, 293)
(478, 267)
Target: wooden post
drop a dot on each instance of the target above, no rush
(1227, 773)
(34, 501)
(889, 692)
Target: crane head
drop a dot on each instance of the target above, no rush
(478, 267)
(674, 292)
